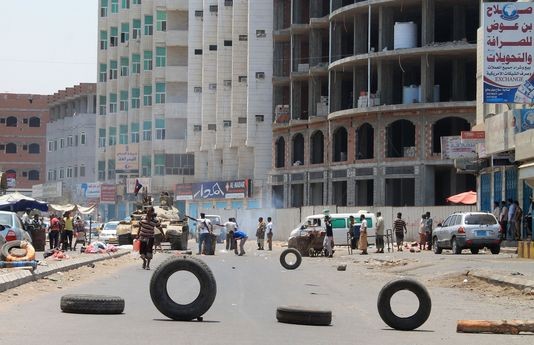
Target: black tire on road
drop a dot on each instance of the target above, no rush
(285, 264)
(304, 316)
(474, 250)
(183, 312)
(92, 304)
(435, 245)
(404, 323)
(456, 249)
(6, 248)
(495, 250)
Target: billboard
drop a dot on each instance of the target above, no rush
(523, 120)
(237, 189)
(91, 190)
(126, 158)
(453, 147)
(508, 52)
(108, 193)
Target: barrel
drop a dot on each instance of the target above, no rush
(39, 240)
(405, 35)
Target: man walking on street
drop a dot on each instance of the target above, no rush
(518, 217)
(503, 219)
(329, 236)
(260, 233)
(428, 230)
(399, 226)
(379, 233)
(511, 220)
(270, 233)
(204, 230)
(230, 226)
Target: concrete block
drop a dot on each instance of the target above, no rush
(520, 252)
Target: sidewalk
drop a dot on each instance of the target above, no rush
(15, 278)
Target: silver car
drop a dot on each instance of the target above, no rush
(11, 228)
(467, 230)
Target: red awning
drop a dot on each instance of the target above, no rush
(466, 198)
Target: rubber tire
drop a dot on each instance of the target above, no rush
(455, 249)
(474, 251)
(404, 323)
(495, 250)
(303, 316)
(183, 312)
(437, 249)
(6, 247)
(92, 304)
(283, 261)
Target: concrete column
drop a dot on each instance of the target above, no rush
(428, 13)
(314, 94)
(385, 28)
(360, 34)
(335, 42)
(459, 21)
(315, 47)
(287, 195)
(458, 80)
(295, 100)
(427, 79)
(306, 191)
(385, 82)
(424, 186)
(335, 92)
(351, 191)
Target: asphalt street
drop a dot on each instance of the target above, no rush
(249, 289)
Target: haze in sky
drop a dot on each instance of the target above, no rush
(47, 45)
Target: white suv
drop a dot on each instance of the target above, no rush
(467, 230)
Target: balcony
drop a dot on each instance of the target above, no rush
(176, 74)
(177, 38)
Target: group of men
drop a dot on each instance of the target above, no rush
(509, 214)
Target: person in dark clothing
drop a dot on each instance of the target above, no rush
(329, 236)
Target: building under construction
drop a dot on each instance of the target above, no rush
(362, 93)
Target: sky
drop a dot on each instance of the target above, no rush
(47, 45)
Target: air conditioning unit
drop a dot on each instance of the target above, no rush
(227, 83)
(197, 89)
(260, 118)
(212, 127)
(227, 123)
(260, 75)
(199, 14)
(197, 128)
(213, 87)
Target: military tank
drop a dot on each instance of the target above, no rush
(175, 229)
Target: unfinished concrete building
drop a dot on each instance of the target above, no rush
(362, 93)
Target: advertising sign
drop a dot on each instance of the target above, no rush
(144, 181)
(92, 190)
(453, 148)
(52, 189)
(108, 193)
(508, 52)
(238, 189)
(11, 179)
(478, 136)
(524, 120)
(126, 158)
(37, 191)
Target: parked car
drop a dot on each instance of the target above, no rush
(467, 230)
(11, 228)
(109, 232)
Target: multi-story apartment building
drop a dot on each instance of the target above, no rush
(142, 95)
(71, 140)
(362, 93)
(229, 101)
(23, 119)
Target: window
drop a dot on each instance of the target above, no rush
(136, 29)
(102, 105)
(123, 134)
(243, 37)
(101, 170)
(114, 36)
(114, 6)
(161, 20)
(179, 164)
(160, 129)
(103, 40)
(112, 69)
(69, 172)
(34, 122)
(214, 9)
(136, 63)
(125, 32)
(102, 72)
(76, 140)
(55, 145)
(75, 171)
(69, 141)
(147, 95)
(198, 51)
(125, 3)
(111, 169)
(61, 173)
(134, 132)
(213, 47)
(160, 93)
(50, 175)
(34, 148)
(112, 102)
(149, 20)
(11, 121)
(124, 66)
(11, 148)
(228, 2)
(147, 130)
(61, 143)
(103, 8)
(101, 137)
(135, 97)
(227, 43)
(260, 34)
(112, 140)
(83, 138)
(159, 164)
(137, 2)
(146, 166)
(50, 145)
(161, 56)
(123, 105)
(82, 170)
(147, 60)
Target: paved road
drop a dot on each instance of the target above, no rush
(249, 290)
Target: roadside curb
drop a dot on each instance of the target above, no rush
(17, 278)
(518, 283)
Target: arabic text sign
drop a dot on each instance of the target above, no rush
(453, 148)
(508, 52)
(237, 189)
(108, 193)
(92, 190)
(126, 158)
(473, 136)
